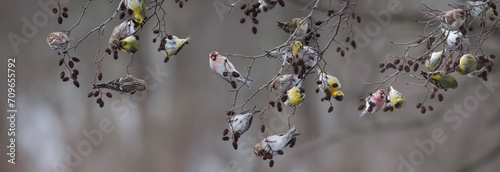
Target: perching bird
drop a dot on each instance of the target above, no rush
(272, 144)
(123, 30)
(434, 62)
(451, 19)
(174, 45)
(330, 85)
(267, 5)
(374, 102)
(282, 83)
(468, 63)
(240, 123)
(484, 64)
(296, 47)
(397, 100)
(58, 41)
(309, 55)
(138, 10)
(456, 41)
(225, 69)
(440, 79)
(129, 45)
(289, 27)
(124, 84)
(477, 7)
(295, 96)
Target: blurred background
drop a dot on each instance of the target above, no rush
(177, 123)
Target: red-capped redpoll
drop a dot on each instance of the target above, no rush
(240, 123)
(451, 20)
(58, 41)
(283, 83)
(272, 144)
(125, 29)
(225, 69)
(374, 102)
(124, 84)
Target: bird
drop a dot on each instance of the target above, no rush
(58, 41)
(296, 47)
(456, 41)
(434, 62)
(138, 10)
(124, 84)
(309, 55)
(397, 100)
(374, 102)
(123, 30)
(290, 27)
(129, 45)
(440, 79)
(295, 96)
(475, 8)
(484, 64)
(225, 69)
(283, 83)
(240, 123)
(267, 5)
(272, 144)
(451, 19)
(174, 45)
(468, 64)
(330, 85)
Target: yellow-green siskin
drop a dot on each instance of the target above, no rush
(397, 100)
(468, 63)
(129, 45)
(434, 62)
(296, 47)
(330, 85)
(484, 64)
(289, 27)
(440, 79)
(138, 10)
(295, 96)
(174, 45)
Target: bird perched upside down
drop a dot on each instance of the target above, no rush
(240, 123)
(373, 102)
(451, 19)
(225, 69)
(124, 84)
(272, 144)
(58, 41)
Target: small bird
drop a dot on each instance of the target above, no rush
(374, 102)
(290, 27)
(330, 85)
(477, 7)
(451, 19)
(295, 96)
(58, 41)
(440, 79)
(484, 64)
(283, 83)
(225, 69)
(123, 30)
(309, 55)
(138, 10)
(124, 84)
(272, 144)
(267, 5)
(296, 47)
(396, 98)
(174, 45)
(468, 64)
(129, 45)
(241, 122)
(456, 41)
(434, 62)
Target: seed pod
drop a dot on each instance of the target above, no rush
(122, 15)
(71, 64)
(422, 109)
(242, 20)
(96, 93)
(338, 49)
(353, 44)
(109, 95)
(262, 128)
(432, 95)
(419, 105)
(317, 23)
(407, 68)
(61, 61)
(282, 3)
(361, 107)
(75, 59)
(225, 138)
(381, 65)
(330, 109)
(358, 19)
(99, 76)
(440, 97)
(62, 75)
(65, 79)
(255, 21)
(382, 71)
(59, 20)
(415, 67)
(431, 108)
(77, 84)
(254, 30)
(235, 145)
(342, 53)
(90, 94)
(233, 84)
(101, 104)
(236, 74)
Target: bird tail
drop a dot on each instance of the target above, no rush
(362, 113)
(242, 79)
(292, 133)
(94, 86)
